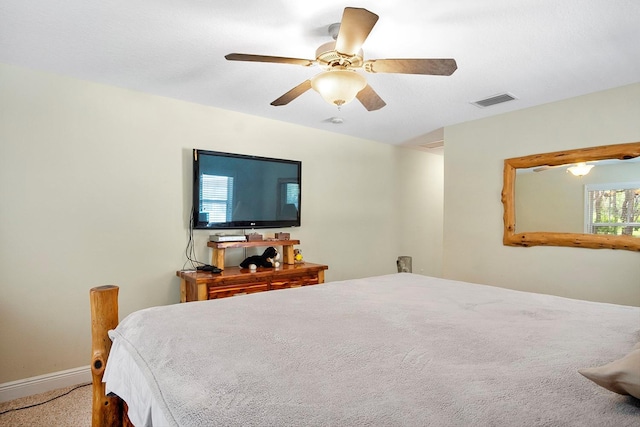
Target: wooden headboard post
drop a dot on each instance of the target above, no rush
(106, 411)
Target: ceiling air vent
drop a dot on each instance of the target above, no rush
(433, 145)
(497, 99)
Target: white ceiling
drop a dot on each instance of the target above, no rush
(540, 51)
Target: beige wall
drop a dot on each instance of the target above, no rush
(95, 187)
(474, 155)
(420, 188)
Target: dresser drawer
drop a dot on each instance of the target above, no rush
(229, 291)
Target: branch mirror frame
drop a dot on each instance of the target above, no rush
(557, 158)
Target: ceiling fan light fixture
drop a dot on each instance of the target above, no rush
(580, 169)
(338, 87)
(339, 83)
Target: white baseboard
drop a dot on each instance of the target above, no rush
(43, 383)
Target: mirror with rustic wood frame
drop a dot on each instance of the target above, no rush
(543, 238)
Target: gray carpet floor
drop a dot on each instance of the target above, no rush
(68, 407)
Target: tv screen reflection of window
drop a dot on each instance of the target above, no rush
(235, 191)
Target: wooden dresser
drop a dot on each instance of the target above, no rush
(198, 286)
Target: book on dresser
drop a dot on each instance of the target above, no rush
(227, 238)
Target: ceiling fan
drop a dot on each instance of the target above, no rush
(340, 82)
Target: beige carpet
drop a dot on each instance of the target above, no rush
(68, 410)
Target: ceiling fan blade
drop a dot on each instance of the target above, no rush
(437, 67)
(370, 99)
(293, 93)
(547, 167)
(355, 27)
(265, 58)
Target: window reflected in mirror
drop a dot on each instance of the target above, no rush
(598, 197)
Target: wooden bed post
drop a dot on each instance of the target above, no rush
(107, 411)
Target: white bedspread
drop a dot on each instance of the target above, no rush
(400, 349)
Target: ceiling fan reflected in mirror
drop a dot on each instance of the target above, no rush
(577, 169)
(340, 82)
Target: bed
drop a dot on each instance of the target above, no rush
(399, 349)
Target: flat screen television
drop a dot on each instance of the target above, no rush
(234, 191)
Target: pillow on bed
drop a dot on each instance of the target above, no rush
(621, 376)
